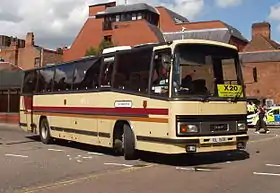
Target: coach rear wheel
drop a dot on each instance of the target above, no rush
(45, 131)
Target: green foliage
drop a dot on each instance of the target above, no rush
(91, 51)
(97, 51)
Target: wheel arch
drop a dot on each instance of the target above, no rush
(118, 128)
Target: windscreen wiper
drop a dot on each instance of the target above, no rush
(205, 98)
(237, 96)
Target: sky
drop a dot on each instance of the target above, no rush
(56, 23)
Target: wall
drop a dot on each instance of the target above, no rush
(268, 84)
(51, 57)
(8, 55)
(27, 57)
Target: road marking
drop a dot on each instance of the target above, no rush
(16, 155)
(266, 139)
(266, 174)
(89, 157)
(273, 165)
(58, 150)
(95, 153)
(193, 169)
(118, 164)
(77, 180)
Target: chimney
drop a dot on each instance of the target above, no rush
(261, 28)
(29, 41)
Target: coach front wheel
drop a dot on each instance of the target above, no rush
(128, 143)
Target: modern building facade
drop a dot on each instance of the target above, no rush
(129, 25)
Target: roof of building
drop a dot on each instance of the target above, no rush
(6, 66)
(176, 16)
(219, 34)
(102, 4)
(260, 56)
(157, 32)
(130, 8)
(11, 79)
(235, 32)
(272, 43)
(46, 49)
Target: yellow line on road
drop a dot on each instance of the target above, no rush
(80, 179)
(265, 139)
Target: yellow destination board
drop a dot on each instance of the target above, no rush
(230, 90)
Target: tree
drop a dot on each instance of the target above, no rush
(97, 51)
(92, 51)
(105, 44)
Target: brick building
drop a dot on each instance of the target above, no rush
(10, 83)
(263, 53)
(25, 54)
(140, 23)
(16, 55)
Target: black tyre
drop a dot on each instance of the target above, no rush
(45, 131)
(129, 143)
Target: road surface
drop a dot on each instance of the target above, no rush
(27, 165)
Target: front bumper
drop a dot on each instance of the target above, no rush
(210, 144)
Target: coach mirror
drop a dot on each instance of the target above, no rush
(255, 74)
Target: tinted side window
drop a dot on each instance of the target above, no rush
(29, 82)
(45, 81)
(63, 77)
(107, 71)
(132, 71)
(86, 74)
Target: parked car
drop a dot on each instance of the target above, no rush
(272, 117)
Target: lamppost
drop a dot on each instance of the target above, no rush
(182, 31)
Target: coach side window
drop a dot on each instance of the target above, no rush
(107, 71)
(45, 80)
(86, 74)
(29, 82)
(161, 72)
(132, 71)
(63, 77)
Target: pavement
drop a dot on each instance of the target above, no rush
(27, 165)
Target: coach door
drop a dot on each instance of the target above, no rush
(26, 103)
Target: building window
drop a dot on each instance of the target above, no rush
(123, 17)
(139, 16)
(37, 62)
(128, 17)
(108, 38)
(117, 18)
(178, 21)
(133, 16)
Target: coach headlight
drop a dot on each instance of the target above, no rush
(241, 127)
(185, 128)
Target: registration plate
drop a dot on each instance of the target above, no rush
(218, 139)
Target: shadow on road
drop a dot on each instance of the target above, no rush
(195, 159)
(173, 160)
